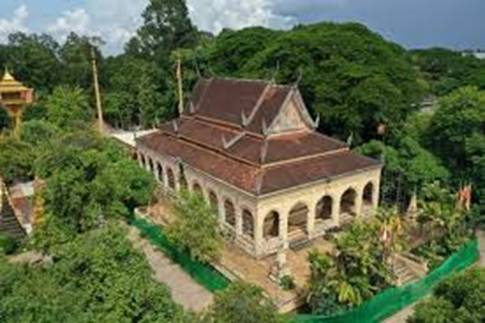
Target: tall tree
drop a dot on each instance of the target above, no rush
(166, 27)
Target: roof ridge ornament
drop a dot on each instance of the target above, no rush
(264, 127)
(228, 144)
(244, 120)
(264, 151)
(316, 123)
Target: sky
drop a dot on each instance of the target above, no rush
(457, 24)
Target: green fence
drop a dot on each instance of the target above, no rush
(204, 274)
(379, 307)
(394, 299)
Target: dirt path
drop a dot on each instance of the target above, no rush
(185, 291)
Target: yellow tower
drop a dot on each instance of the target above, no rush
(14, 96)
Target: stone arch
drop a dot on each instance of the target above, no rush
(368, 194)
(160, 172)
(298, 217)
(271, 225)
(196, 188)
(230, 213)
(248, 223)
(348, 202)
(324, 208)
(171, 178)
(214, 200)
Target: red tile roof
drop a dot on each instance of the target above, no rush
(211, 137)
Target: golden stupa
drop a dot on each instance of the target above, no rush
(14, 96)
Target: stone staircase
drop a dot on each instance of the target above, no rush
(407, 268)
(9, 223)
(298, 239)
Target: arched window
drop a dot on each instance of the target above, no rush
(230, 213)
(368, 193)
(248, 223)
(271, 228)
(171, 178)
(347, 202)
(196, 188)
(160, 172)
(324, 208)
(214, 201)
(298, 217)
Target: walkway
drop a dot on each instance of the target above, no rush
(185, 291)
(481, 246)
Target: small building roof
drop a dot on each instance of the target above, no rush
(9, 84)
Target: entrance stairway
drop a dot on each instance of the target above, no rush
(407, 268)
(9, 223)
(298, 239)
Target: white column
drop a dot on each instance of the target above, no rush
(358, 202)
(336, 208)
(239, 223)
(376, 194)
(258, 233)
(312, 211)
(283, 226)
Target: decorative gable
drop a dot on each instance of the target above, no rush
(291, 117)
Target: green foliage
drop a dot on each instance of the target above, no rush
(68, 108)
(96, 277)
(287, 283)
(456, 135)
(166, 27)
(445, 224)
(4, 119)
(356, 272)
(244, 303)
(8, 245)
(459, 298)
(134, 97)
(196, 227)
(16, 160)
(408, 167)
(447, 70)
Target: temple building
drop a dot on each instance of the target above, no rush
(252, 149)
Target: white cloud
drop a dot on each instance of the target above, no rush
(17, 23)
(76, 20)
(214, 15)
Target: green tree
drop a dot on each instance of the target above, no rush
(95, 277)
(68, 108)
(407, 167)
(16, 160)
(459, 298)
(196, 227)
(166, 27)
(244, 303)
(456, 134)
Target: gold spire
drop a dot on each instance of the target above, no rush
(10, 84)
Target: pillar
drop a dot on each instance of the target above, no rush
(376, 194)
(336, 208)
(312, 213)
(239, 223)
(258, 233)
(283, 228)
(358, 201)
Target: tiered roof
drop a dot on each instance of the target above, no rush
(254, 135)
